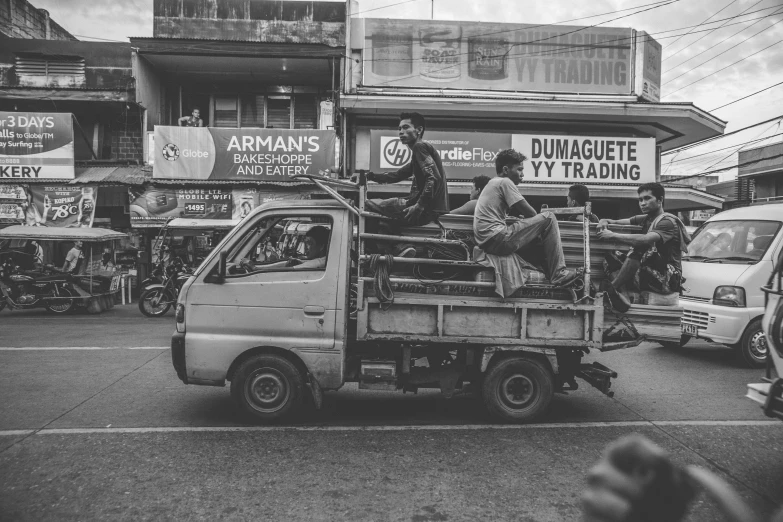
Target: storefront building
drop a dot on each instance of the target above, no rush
(263, 77)
(763, 166)
(582, 103)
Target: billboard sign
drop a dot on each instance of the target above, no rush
(36, 145)
(154, 206)
(240, 154)
(507, 57)
(648, 67)
(67, 206)
(586, 159)
(463, 154)
(13, 201)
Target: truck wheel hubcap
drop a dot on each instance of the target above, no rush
(517, 391)
(758, 345)
(267, 390)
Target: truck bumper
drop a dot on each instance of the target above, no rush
(721, 324)
(178, 355)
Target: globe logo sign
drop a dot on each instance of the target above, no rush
(171, 152)
(393, 153)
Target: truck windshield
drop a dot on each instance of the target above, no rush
(732, 241)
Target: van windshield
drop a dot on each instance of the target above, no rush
(732, 241)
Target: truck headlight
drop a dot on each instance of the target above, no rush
(729, 296)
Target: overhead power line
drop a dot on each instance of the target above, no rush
(722, 53)
(717, 44)
(721, 136)
(744, 97)
(724, 169)
(382, 7)
(702, 23)
(724, 68)
(724, 148)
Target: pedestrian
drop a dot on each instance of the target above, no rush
(479, 182)
(73, 258)
(194, 120)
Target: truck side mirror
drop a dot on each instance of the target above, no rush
(219, 277)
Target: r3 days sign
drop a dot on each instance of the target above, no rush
(36, 145)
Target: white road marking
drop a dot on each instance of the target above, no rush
(470, 427)
(39, 348)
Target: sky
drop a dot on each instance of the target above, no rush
(737, 49)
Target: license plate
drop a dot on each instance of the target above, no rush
(690, 329)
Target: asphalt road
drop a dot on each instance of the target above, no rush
(111, 433)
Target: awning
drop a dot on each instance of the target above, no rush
(60, 234)
(203, 224)
(671, 124)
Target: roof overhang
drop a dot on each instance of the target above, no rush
(59, 94)
(203, 224)
(268, 63)
(671, 124)
(677, 197)
(60, 234)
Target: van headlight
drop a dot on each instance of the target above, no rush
(729, 296)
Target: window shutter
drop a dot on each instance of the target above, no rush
(226, 111)
(305, 112)
(253, 111)
(278, 112)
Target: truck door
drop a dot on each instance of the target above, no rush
(272, 294)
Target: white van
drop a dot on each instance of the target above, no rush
(730, 259)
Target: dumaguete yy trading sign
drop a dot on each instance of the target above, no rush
(35, 145)
(587, 159)
(512, 57)
(240, 154)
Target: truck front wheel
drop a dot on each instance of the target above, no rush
(752, 347)
(518, 389)
(267, 388)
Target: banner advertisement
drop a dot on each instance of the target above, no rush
(507, 57)
(463, 154)
(13, 201)
(240, 154)
(69, 207)
(586, 159)
(36, 145)
(154, 206)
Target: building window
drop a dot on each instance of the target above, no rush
(272, 111)
(225, 111)
(60, 71)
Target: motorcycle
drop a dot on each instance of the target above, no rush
(24, 290)
(157, 298)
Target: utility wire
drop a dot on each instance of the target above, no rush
(721, 136)
(724, 148)
(702, 23)
(748, 96)
(724, 68)
(717, 44)
(724, 52)
(724, 169)
(382, 7)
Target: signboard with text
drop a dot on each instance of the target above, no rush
(587, 159)
(240, 154)
(155, 205)
(648, 67)
(13, 201)
(35, 145)
(65, 206)
(463, 154)
(489, 56)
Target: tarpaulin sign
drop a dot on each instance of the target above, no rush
(13, 201)
(61, 206)
(36, 145)
(154, 206)
(587, 159)
(240, 154)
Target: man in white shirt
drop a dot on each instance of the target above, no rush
(72, 259)
(501, 198)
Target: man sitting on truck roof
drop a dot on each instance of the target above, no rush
(479, 182)
(501, 198)
(656, 253)
(578, 196)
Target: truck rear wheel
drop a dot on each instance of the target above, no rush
(268, 388)
(518, 389)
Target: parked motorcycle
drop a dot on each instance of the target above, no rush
(156, 299)
(49, 289)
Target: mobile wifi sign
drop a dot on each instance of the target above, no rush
(240, 154)
(463, 154)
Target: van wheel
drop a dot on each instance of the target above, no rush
(268, 388)
(752, 347)
(518, 389)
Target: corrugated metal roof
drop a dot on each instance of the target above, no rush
(249, 183)
(120, 175)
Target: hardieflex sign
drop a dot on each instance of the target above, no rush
(240, 154)
(36, 145)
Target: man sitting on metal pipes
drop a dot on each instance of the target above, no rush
(501, 198)
(479, 182)
(578, 196)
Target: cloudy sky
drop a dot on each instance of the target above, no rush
(737, 48)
